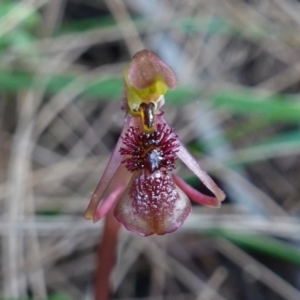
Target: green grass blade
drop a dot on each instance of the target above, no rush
(262, 244)
(275, 108)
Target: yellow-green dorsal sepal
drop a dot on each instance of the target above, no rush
(152, 93)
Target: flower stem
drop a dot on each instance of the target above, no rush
(106, 257)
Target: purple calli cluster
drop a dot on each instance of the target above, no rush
(138, 182)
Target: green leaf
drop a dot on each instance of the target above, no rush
(274, 108)
(208, 25)
(283, 144)
(16, 81)
(60, 296)
(284, 139)
(13, 82)
(107, 88)
(30, 22)
(263, 244)
(181, 95)
(85, 24)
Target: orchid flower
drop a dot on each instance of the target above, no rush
(138, 182)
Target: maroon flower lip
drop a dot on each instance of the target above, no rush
(152, 151)
(152, 202)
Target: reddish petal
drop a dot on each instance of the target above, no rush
(152, 204)
(113, 164)
(109, 202)
(195, 195)
(193, 165)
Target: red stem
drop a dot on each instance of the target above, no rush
(106, 255)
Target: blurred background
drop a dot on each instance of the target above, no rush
(236, 108)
